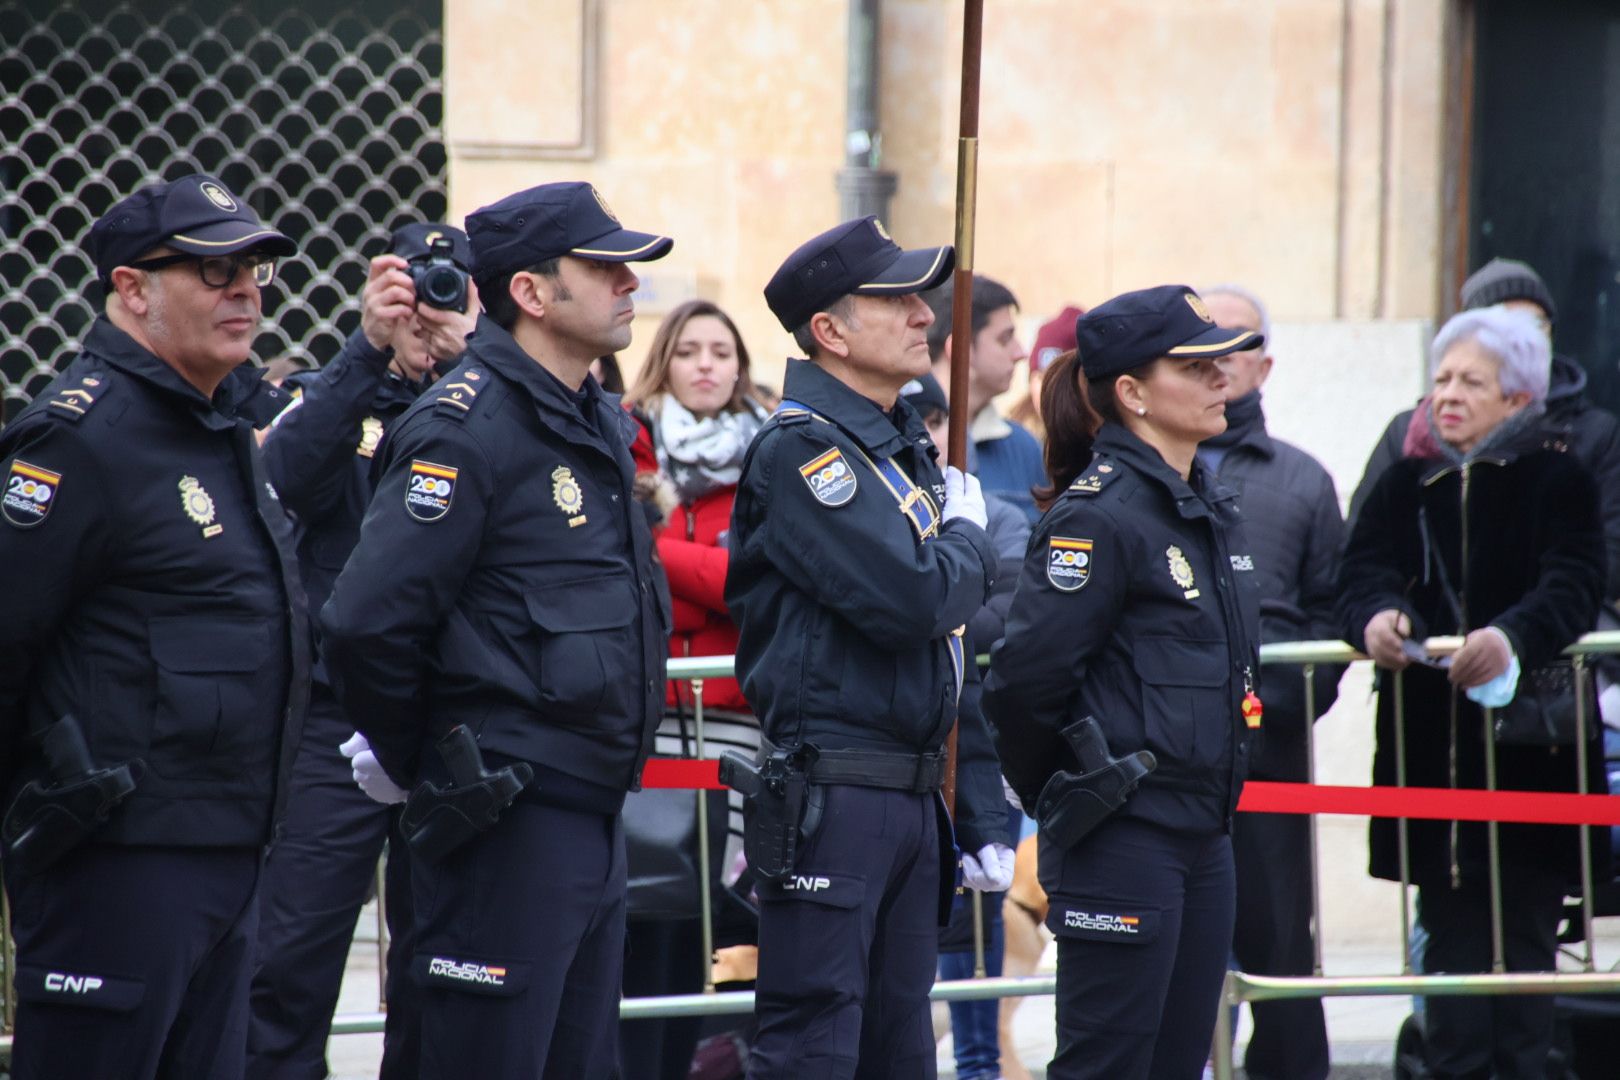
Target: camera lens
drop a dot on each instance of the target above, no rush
(441, 286)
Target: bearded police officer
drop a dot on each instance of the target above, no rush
(153, 655)
(319, 455)
(504, 585)
(854, 566)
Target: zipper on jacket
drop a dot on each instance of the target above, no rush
(1462, 629)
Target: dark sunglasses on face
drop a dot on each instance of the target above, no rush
(217, 271)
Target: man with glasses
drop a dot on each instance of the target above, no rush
(318, 455)
(153, 654)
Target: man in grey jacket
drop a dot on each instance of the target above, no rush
(1295, 532)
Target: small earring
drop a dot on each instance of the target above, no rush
(1141, 410)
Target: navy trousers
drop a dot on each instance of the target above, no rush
(133, 964)
(520, 948)
(848, 945)
(1143, 917)
(315, 882)
(1273, 937)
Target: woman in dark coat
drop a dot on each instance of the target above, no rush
(1498, 540)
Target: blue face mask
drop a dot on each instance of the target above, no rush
(1500, 690)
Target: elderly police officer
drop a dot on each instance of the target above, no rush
(854, 565)
(153, 655)
(504, 583)
(318, 456)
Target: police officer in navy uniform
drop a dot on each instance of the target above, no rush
(1136, 608)
(318, 455)
(154, 656)
(504, 581)
(854, 565)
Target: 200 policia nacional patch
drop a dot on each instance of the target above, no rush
(1068, 563)
(431, 487)
(831, 479)
(30, 491)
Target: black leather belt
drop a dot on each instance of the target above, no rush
(889, 770)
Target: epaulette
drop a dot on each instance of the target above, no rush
(457, 398)
(785, 417)
(75, 401)
(1099, 475)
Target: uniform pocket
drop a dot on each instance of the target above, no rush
(206, 668)
(585, 640)
(1184, 698)
(1093, 919)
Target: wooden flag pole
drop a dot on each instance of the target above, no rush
(967, 173)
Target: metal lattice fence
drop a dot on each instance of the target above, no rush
(326, 118)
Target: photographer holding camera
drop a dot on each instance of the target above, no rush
(416, 310)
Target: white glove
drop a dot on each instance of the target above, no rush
(991, 871)
(368, 773)
(963, 499)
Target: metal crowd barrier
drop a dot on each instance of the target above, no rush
(1239, 987)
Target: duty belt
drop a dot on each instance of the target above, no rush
(918, 774)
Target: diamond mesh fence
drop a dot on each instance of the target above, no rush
(326, 118)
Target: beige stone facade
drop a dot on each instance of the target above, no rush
(1295, 145)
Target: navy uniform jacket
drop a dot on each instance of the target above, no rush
(1137, 606)
(153, 595)
(319, 454)
(844, 612)
(504, 579)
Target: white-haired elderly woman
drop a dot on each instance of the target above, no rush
(1498, 540)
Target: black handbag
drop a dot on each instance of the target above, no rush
(662, 852)
(1542, 712)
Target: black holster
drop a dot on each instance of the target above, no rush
(437, 820)
(1071, 804)
(783, 807)
(46, 821)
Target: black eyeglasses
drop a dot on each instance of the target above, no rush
(217, 271)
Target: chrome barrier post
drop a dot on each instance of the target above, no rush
(8, 957)
(1589, 961)
(705, 910)
(1399, 690)
(979, 971)
(1493, 835)
(1220, 1050)
(381, 877)
(1310, 778)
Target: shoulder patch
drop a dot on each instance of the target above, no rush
(831, 479)
(1101, 473)
(457, 398)
(1068, 563)
(430, 490)
(75, 401)
(30, 493)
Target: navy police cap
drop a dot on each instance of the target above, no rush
(194, 215)
(415, 241)
(855, 257)
(551, 220)
(1138, 327)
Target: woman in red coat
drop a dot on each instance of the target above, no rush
(695, 401)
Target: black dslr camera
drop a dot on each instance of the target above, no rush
(437, 279)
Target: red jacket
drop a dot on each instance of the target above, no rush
(695, 562)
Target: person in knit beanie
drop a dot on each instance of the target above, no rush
(1509, 282)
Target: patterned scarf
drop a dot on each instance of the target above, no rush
(701, 456)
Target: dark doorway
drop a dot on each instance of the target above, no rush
(1546, 165)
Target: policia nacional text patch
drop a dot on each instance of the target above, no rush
(831, 479)
(29, 493)
(1068, 563)
(428, 495)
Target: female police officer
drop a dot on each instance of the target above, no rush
(1134, 608)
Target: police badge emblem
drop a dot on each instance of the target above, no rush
(29, 494)
(1068, 563)
(218, 196)
(1196, 302)
(567, 494)
(831, 479)
(371, 431)
(199, 506)
(429, 491)
(606, 209)
(1181, 571)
